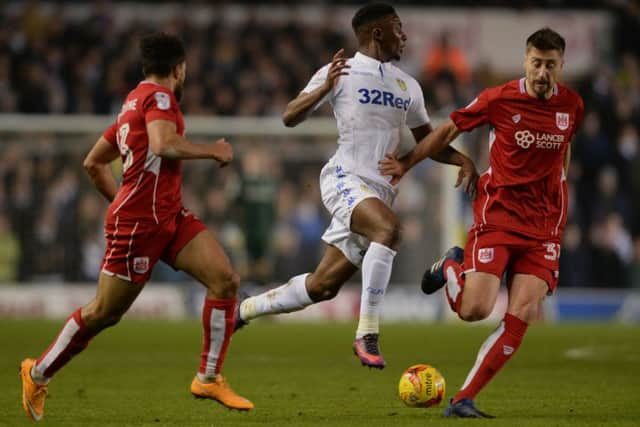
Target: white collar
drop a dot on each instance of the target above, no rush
(367, 60)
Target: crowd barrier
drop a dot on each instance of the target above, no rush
(401, 304)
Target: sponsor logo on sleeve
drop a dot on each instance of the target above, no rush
(562, 121)
(163, 100)
(485, 255)
(141, 264)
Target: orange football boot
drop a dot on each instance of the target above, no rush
(221, 392)
(33, 394)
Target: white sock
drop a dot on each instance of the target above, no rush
(37, 376)
(206, 378)
(376, 271)
(292, 296)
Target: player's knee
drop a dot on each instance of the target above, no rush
(474, 312)
(388, 233)
(227, 284)
(321, 289)
(527, 312)
(99, 318)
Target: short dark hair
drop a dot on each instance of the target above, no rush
(546, 39)
(161, 52)
(371, 13)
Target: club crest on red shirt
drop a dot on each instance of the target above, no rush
(562, 121)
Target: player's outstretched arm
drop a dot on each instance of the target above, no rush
(97, 166)
(164, 141)
(299, 108)
(431, 145)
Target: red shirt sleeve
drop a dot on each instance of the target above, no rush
(473, 115)
(110, 134)
(161, 105)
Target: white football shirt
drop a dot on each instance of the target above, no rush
(371, 105)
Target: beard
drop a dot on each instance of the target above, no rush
(541, 88)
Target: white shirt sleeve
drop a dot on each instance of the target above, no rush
(316, 81)
(417, 113)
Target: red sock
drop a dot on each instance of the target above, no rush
(455, 284)
(72, 339)
(218, 318)
(493, 354)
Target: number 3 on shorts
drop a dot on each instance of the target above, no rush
(553, 251)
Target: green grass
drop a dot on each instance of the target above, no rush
(138, 373)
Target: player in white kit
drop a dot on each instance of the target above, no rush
(372, 99)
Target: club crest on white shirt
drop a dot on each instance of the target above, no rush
(516, 118)
(402, 84)
(562, 121)
(485, 255)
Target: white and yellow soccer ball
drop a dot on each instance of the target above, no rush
(421, 386)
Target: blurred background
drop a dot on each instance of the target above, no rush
(65, 68)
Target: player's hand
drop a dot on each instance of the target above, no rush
(222, 152)
(338, 68)
(468, 178)
(391, 166)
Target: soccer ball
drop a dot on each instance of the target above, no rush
(421, 386)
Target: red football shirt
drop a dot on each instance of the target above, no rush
(524, 189)
(151, 185)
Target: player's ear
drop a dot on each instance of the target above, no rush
(377, 33)
(178, 71)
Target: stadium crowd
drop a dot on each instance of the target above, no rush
(266, 208)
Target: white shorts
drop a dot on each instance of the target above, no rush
(341, 193)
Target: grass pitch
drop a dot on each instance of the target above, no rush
(138, 374)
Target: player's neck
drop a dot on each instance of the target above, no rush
(162, 81)
(374, 52)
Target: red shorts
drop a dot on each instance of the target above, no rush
(494, 252)
(133, 248)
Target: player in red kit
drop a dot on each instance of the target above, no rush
(520, 209)
(147, 222)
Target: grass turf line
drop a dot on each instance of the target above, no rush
(139, 372)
